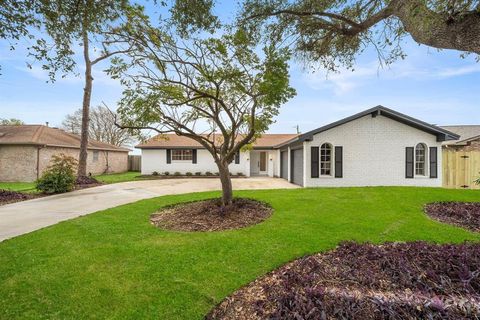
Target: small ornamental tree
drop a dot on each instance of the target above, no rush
(216, 91)
(59, 176)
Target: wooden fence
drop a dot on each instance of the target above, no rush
(134, 163)
(461, 168)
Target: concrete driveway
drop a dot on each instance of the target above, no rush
(27, 216)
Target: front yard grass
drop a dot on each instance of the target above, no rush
(19, 186)
(118, 177)
(115, 264)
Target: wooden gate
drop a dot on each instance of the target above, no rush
(460, 168)
(134, 163)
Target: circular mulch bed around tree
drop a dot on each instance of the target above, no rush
(462, 214)
(416, 280)
(208, 215)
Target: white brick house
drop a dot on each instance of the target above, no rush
(376, 147)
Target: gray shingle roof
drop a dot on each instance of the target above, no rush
(466, 132)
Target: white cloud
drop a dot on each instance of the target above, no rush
(346, 81)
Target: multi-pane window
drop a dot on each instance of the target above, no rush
(95, 156)
(420, 156)
(182, 154)
(326, 159)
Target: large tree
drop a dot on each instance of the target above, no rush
(334, 32)
(218, 92)
(101, 126)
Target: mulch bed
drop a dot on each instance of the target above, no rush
(462, 214)
(209, 215)
(7, 196)
(414, 280)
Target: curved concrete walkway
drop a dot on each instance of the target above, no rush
(23, 217)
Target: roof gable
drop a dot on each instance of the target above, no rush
(440, 133)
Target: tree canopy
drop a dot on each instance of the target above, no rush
(333, 32)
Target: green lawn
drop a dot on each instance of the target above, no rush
(118, 177)
(18, 186)
(114, 264)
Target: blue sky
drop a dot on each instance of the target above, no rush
(435, 86)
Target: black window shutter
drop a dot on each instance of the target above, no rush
(314, 164)
(194, 155)
(433, 162)
(237, 157)
(409, 153)
(169, 156)
(338, 162)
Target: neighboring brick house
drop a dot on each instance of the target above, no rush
(26, 151)
(376, 147)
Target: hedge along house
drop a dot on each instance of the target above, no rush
(26, 151)
(171, 153)
(376, 147)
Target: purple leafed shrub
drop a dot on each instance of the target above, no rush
(462, 214)
(363, 281)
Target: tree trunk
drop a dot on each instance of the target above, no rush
(226, 180)
(87, 93)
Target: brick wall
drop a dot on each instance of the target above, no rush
(18, 163)
(373, 154)
(106, 161)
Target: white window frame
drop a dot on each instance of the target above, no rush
(182, 155)
(425, 160)
(330, 161)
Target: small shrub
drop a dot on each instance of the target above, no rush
(177, 173)
(189, 174)
(167, 173)
(240, 174)
(198, 173)
(208, 173)
(155, 173)
(477, 181)
(59, 176)
(217, 173)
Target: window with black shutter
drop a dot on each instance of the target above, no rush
(194, 155)
(169, 156)
(409, 162)
(338, 162)
(237, 157)
(433, 162)
(314, 162)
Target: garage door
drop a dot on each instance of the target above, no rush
(284, 164)
(297, 167)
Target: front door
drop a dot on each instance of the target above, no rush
(263, 162)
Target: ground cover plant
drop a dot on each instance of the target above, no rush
(115, 264)
(416, 280)
(465, 215)
(210, 215)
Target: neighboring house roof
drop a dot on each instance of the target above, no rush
(442, 134)
(166, 141)
(466, 132)
(46, 136)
